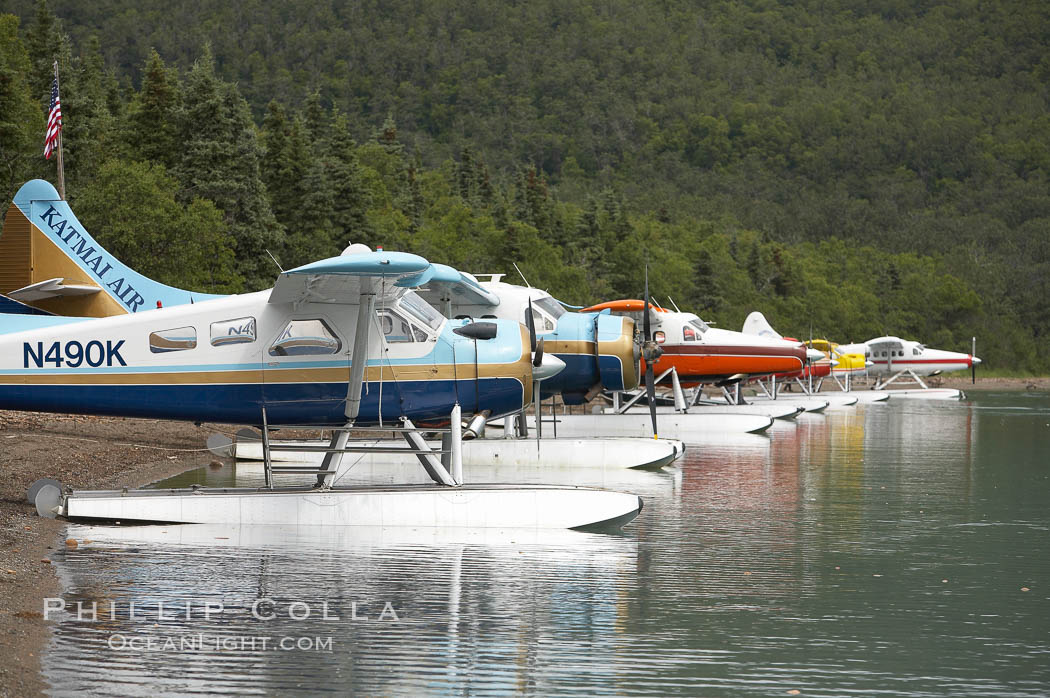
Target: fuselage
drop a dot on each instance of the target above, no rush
(704, 354)
(891, 355)
(223, 360)
(598, 349)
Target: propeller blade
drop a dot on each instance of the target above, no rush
(537, 354)
(973, 366)
(650, 394)
(531, 324)
(650, 388)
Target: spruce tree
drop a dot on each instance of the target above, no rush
(220, 163)
(22, 121)
(152, 124)
(351, 199)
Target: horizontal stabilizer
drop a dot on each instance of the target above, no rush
(51, 288)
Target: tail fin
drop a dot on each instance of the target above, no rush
(756, 323)
(48, 261)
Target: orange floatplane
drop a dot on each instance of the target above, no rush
(704, 354)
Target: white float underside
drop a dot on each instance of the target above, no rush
(927, 393)
(833, 399)
(765, 409)
(637, 422)
(480, 453)
(807, 403)
(471, 506)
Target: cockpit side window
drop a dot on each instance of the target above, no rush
(551, 306)
(177, 339)
(688, 334)
(542, 322)
(397, 329)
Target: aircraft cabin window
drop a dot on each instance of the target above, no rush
(306, 338)
(397, 329)
(178, 339)
(237, 331)
(915, 351)
(688, 334)
(550, 305)
(659, 337)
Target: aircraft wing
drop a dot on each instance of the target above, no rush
(342, 279)
(460, 288)
(50, 289)
(893, 344)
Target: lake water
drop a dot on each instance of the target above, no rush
(897, 549)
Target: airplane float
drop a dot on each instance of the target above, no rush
(341, 343)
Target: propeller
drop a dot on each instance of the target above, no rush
(650, 352)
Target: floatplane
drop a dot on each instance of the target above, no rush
(901, 362)
(686, 351)
(342, 343)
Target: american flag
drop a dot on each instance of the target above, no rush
(54, 121)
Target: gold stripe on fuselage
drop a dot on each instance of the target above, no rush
(273, 374)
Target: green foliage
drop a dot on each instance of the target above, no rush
(21, 120)
(864, 169)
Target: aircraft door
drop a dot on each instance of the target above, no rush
(305, 370)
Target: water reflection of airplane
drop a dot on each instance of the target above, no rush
(342, 342)
(459, 595)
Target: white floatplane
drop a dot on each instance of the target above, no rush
(897, 361)
(342, 344)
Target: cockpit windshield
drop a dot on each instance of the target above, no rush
(553, 307)
(421, 310)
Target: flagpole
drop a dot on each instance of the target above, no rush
(61, 171)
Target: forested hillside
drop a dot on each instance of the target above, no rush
(853, 167)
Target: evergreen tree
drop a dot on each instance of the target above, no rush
(22, 121)
(221, 163)
(152, 122)
(89, 129)
(351, 199)
(44, 42)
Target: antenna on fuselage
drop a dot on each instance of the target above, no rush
(275, 261)
(671, 300)
(521, 275)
